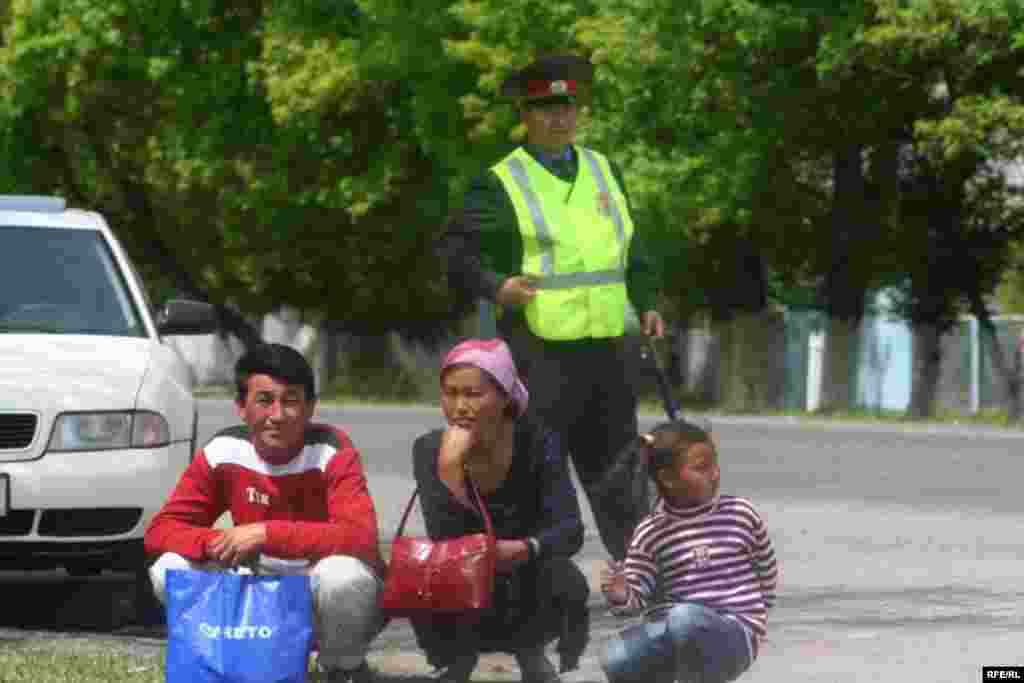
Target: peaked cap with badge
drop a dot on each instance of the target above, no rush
(558, 78)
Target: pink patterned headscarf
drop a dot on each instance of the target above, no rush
(493, 357)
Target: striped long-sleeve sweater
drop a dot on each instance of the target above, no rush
(718, 554)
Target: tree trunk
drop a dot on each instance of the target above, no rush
(838, 379)
(927, 366)
(136, 200)
(1004, 364)
(748, 347)
(327, 365)
(846, 281)
(1015, 384)
(737, 307)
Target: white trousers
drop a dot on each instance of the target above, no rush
(345, 592)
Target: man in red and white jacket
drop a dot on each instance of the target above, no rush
(299, 503)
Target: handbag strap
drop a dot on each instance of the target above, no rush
(489, 526)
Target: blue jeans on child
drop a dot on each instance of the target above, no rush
(692, 644)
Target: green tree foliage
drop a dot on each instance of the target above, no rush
(146, 112)
(308, 153)
(770, 134)
(258, 157)
(959, 214)
(730, 120)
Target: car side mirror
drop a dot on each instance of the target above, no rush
(186, 316)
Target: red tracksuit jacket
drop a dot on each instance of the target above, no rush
(314, 505)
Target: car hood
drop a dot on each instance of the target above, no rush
(71, 372)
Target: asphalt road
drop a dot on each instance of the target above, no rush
(900, 549)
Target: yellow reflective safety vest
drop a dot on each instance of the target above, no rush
(575, 243)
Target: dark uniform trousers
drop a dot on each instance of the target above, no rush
(586, 390)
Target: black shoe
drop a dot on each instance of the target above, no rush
(457, 671)
(574, 638)
(535, 667)
(360, 674)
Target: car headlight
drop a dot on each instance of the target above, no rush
(108, 430)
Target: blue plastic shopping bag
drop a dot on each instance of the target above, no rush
(224, 627)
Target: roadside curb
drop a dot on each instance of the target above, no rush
(783, 421)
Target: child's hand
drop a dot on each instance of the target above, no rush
(613, 585)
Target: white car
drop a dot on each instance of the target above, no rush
(97, 416)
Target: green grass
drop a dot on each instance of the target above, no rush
(991, 418)
(213, 391)
(46, 665)
(80, 661)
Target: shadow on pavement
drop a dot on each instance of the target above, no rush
(55, 605)
(54, 601)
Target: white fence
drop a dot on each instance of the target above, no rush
(884, 370)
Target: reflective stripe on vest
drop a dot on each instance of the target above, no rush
(547, 256)
(632, 322)
(613, 206)
(590, 279)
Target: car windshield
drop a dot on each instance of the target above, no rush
(57, 281)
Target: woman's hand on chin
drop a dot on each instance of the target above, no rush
(456, 442)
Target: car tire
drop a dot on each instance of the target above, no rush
(149, 611)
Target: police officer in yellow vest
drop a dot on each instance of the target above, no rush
(546, 234)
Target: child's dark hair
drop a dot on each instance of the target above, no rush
(654, 450)
(281, 362)
(662, 443)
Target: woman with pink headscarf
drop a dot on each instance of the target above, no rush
(521, 471)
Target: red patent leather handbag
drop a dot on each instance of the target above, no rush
(430, 577)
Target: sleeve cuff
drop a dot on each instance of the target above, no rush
(492, 283)
(643, 303)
